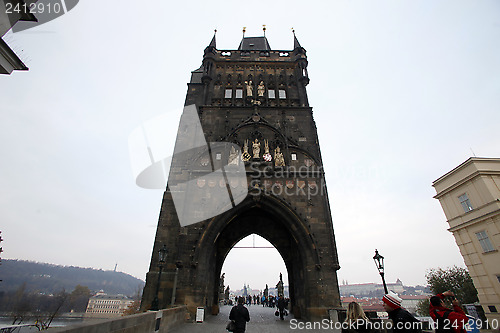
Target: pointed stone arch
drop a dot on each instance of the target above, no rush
(276, 221)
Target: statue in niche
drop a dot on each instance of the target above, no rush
(267, 157)
(261, 89)
(245, 156)
(233, 157)
(278, 158)
(256, 149)
(249, 88)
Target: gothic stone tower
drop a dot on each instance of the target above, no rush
(253, 98)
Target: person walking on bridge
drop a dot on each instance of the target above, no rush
(281, 306)
(239, 313)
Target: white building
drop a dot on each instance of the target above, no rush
(107, 306)
(410, 302)
(370, 289)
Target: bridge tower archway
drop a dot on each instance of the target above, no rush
(250, 112)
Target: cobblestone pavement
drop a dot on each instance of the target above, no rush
(262, 320)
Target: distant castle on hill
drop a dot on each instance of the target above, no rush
(377, 289)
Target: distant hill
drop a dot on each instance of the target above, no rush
(48, 278)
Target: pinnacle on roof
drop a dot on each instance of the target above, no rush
(296, 43)
(212, 42)
(210, 49)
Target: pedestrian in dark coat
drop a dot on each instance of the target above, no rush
(402, 320)
(281, 306)
(239, 313)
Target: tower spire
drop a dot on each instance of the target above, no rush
(212, 42)
(264, 29)
(244, 29)
(296, 43)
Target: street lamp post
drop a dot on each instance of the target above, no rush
(379, 262)
(162, 258)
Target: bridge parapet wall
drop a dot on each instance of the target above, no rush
(162, 321)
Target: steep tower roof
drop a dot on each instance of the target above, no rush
(212, 42)
(212, 46)
(296, 43)
(254, 43)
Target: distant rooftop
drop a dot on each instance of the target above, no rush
(413, 297)
(106, 296)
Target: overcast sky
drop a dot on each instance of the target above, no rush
(402, 92)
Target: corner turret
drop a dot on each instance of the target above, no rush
(212, 46)
(299, 55)
(208, 65)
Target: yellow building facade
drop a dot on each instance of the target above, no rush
(470, 198)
